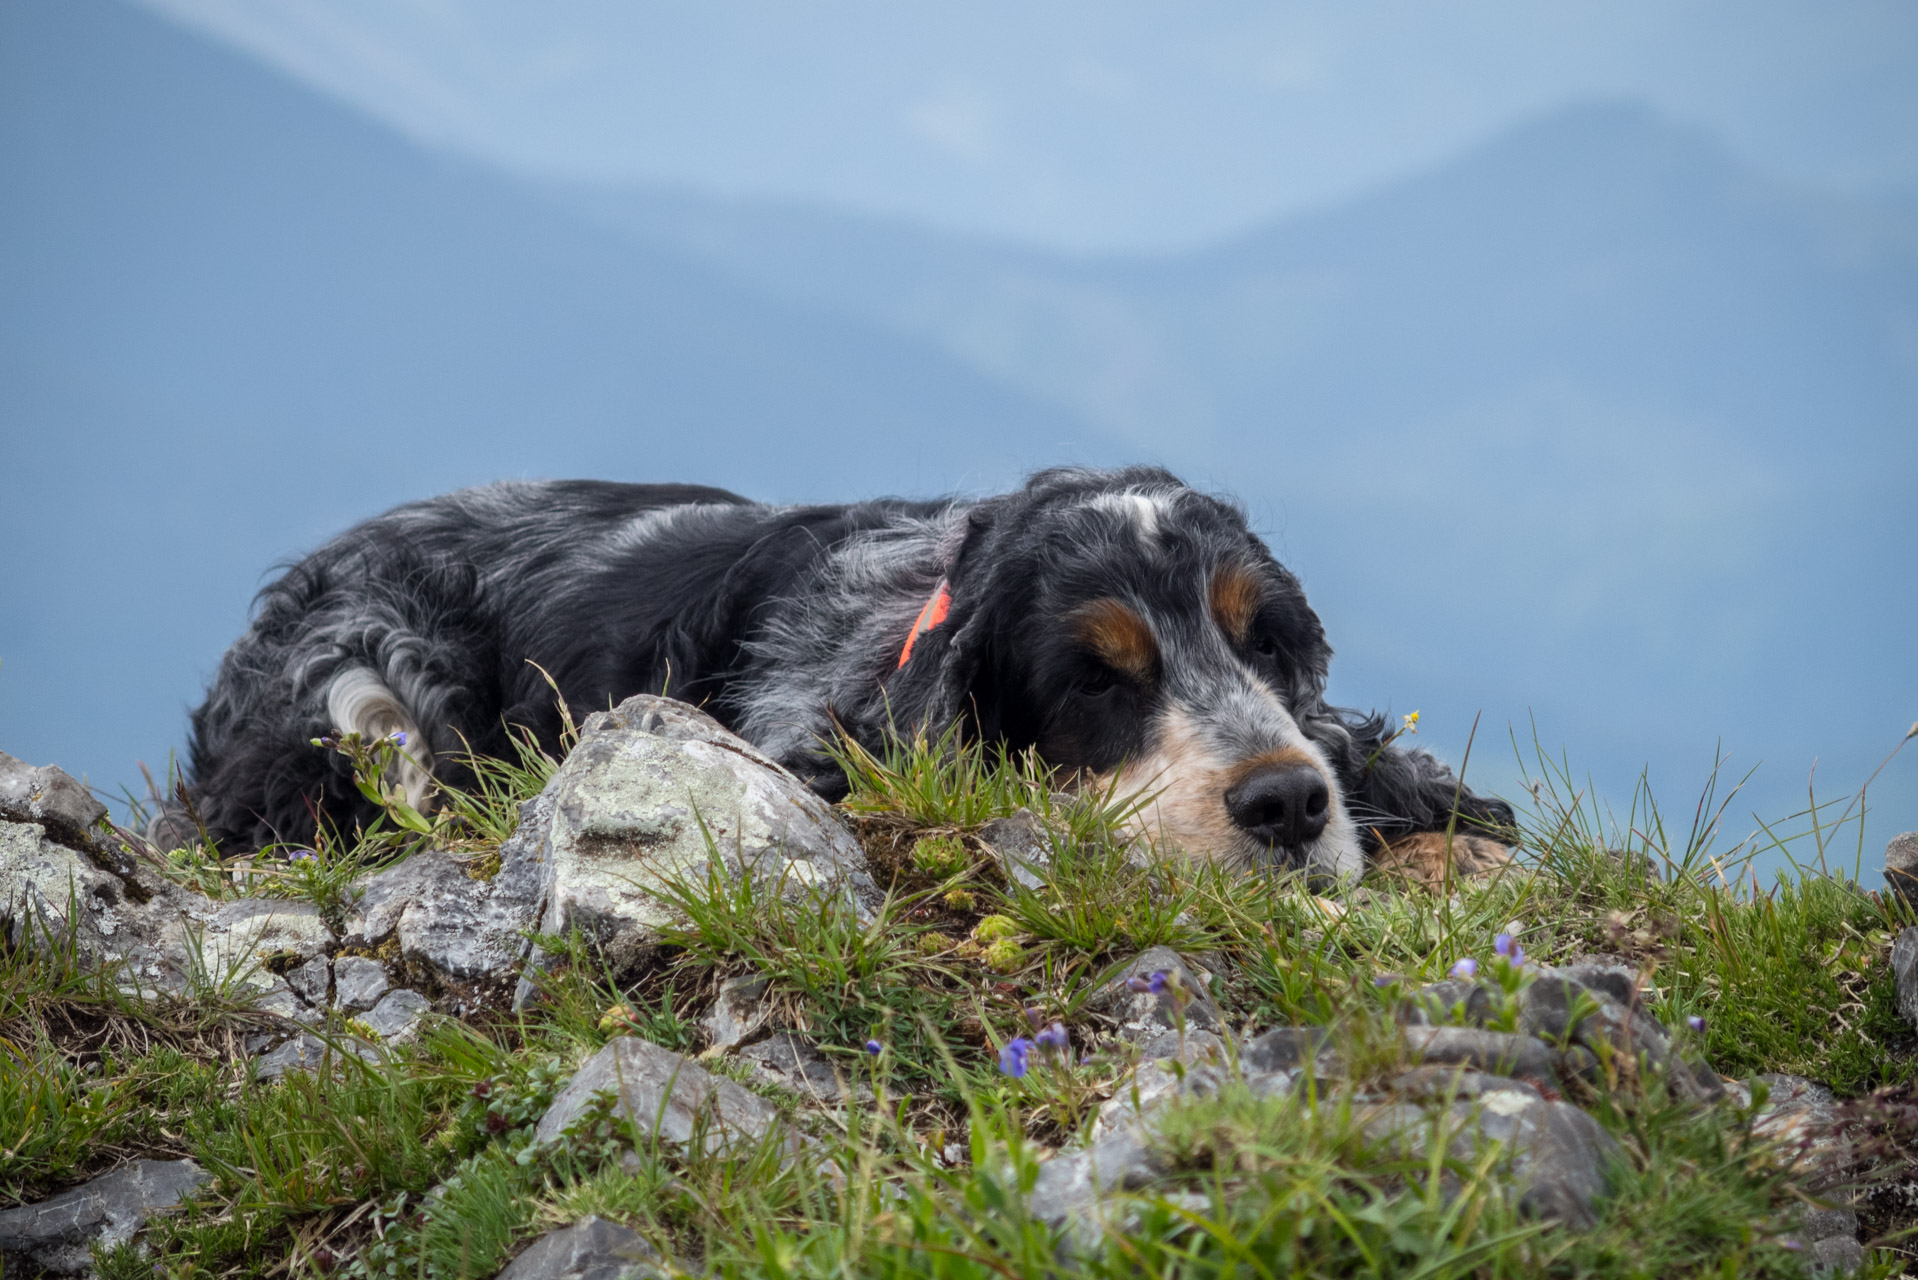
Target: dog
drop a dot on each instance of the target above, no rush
(1131, 629)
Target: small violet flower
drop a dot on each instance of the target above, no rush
(1054, 1037)
(399, 736)
(1466, 969)
(1508, 947)
(1385, 980)
(875, 1048)
(299, 855)
(1012, 1058)
(1793, 1245)
(1696, 1023)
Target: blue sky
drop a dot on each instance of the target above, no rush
(1088, 124)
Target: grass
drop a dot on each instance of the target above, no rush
(422, 1162)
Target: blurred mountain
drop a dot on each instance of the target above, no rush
(1593, 425)
(235, 316)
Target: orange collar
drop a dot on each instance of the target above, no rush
(930, 617)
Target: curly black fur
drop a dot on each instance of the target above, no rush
(781, 621)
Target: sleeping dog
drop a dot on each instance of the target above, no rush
(1133, 630)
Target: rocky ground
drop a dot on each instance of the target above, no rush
(657, 1009)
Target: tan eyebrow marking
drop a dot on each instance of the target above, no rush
(1116, 632)
(1235, 594)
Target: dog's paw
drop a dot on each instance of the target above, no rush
(1425, 859)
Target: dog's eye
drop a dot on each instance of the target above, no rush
(1097, 681)
(1264, 646)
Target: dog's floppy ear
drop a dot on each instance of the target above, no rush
(947, 676)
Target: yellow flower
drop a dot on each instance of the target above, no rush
(1411, 721)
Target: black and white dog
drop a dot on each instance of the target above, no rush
(1132, 629)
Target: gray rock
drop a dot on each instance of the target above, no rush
(1804, 1118)
(358, 982)
(1022, 846)
(52, 799)
(470, 935)
(1142, 1015)
(1901, 866)
(1447, 1083)
(795, 1063)
(306, 1052)
(590, 1249)
(50, 893)
(1072, 1183)
(1826, 1224)
(56, 1234)
(658, 791)
(228, 948)
(1904, 968)
(672, 1098)
(312, 981)
(1557, 1157)
(1840, 1254)
(395, 1019)
(1284, 1048)
(738, 1013)
(1496, 1052)
(1452, 1002)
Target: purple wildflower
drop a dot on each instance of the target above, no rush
(1787, 1242)
(1012, 1058)
(1054, 1037)
(299, 855)
(875, 1048)
(1503, 944)
(1385, 980)
(1466, 969)
(1696, 1023)
(399, 736)
(1036, 1015)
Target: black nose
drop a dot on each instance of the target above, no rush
(1286, 806)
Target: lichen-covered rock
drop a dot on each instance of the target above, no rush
(462, 935)
(1023, 848)
(1143, 1014)
(590, 1249)
(1904, 968)
(359, 982)
(738, 1013)
(49, 798)
(57, 1234)
(794, 1063)
(658, 791)
(1804, 1118)
(1901, 866)
(672, 1097)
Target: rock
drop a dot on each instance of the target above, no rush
(672, 1098)
(1023, 847)
(51, 799)
(1841, 1254)
(395, 1019)
(358, 982)
(795, 1063)
(56, 1234)
(312, 981)
(1285, 1048)
(1904, 968)
(1451, 1002)
(1496, 1052)
(1142, 1015)
(1558, 1157)
(590, 1249)
(229, 947)
(1072, 1183)
(1804, 1119)
(303, 1052)
(738, 1013)
(465, 937)
(1446, 1083)
(1901, 867)
(52, 893)
(657, 791)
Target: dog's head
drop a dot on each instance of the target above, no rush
(1139, 634)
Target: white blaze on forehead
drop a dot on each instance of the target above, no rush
(1143, 510)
